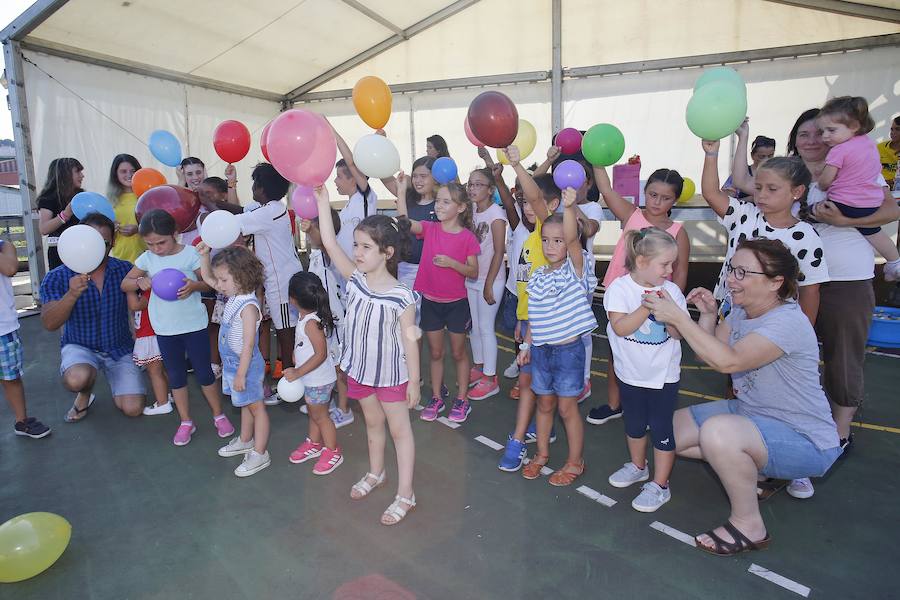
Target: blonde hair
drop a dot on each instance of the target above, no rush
(647, 242)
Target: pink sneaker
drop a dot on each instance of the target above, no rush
(475, 375)
(223, 426)
(485, 388)
(586, 392)
(305, 451)
(328, 461)
(434, 408)
(184, 433)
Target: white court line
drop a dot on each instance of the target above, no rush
(448, 422)
(777, 579)
(488, 442)
(545, 470)
(596, 496)
(672, 532)
(877, 353)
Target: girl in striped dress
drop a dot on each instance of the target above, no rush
(380, 353)
(559, 313)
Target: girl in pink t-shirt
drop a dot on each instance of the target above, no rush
(448, 257)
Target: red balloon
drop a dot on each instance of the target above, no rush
(264, 141)
(180, 202)
(231, 139)
(569, 141)
(493, 119)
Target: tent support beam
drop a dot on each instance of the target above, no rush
(556, 73)
(850, 9)
(22, 133)
(29, 20)
(377, 49)
(373, 15)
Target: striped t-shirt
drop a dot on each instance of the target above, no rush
(372, 352)
(558, 303)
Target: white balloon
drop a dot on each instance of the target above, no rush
(290, 391)
(220, 228)
(376, 156)
(81, 248)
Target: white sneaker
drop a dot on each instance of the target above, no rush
(801, 488)
(254, 462)
(236, 447)
(512, 371)
(216, 369)
(628, 474)
(651, 498)
(340, 418)
(892, 271)
(272, 400)
(158, 409)
(304, 410)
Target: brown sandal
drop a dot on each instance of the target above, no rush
(740, 544)
(767, 488)
(533, 469)
(562, 477)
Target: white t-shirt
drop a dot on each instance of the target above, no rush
(329, 277)
(176, 316)
(648, 357)
(9, 320)
(273, 242)
(514, 242)
(351, 216)
(849, 255)
(483, 222)
(303, 351)
(594, 212)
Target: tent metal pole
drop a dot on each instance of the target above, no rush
(29, 20)
(412, 135)
(851, 9)
(18, 104)
(556, 72)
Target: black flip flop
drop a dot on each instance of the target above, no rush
(740, 544)
(79, 411)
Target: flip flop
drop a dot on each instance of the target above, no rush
(80, 413)
(740, 544)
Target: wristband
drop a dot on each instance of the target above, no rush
(524, 346)
(62, 220)
(232, 184)
(711, 153)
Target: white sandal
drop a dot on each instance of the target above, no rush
(396, 510)
(363, 487)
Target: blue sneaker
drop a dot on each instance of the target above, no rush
(513, 456)
(531, 433)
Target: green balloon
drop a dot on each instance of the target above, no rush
(603, 145)
(30, 543)
(716, 110)
(726, 74)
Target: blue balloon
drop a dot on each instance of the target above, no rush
(85, 203)
(165, 147)
(444, 170)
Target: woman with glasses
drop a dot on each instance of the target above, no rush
(779, 425)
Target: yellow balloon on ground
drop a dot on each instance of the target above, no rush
(30, 543)
(525, 141)
(372, 100)
(687, 191)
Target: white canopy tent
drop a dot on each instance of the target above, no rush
(92, 78)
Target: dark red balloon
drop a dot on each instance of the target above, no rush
(493, 119)
(180, 202)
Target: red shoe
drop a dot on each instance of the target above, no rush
(277, 373)
(514, 392)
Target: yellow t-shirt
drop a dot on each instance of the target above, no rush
(127, 247)
(889, 160)
(531, 259)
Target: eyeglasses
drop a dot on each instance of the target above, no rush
(740, 272)
(476, 185)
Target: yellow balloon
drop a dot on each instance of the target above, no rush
(372, 100)
(687, 191)
(30, 543)
(525, 141)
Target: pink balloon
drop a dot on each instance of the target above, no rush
(303, 200)
(302, 147)
(471, 135)
(569, 140)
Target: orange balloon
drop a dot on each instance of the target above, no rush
(146, 178)
(372, 100)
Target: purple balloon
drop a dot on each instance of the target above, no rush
(569, 174)
(167, 282)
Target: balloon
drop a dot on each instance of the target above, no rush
(372, 101)
(231, 140)
(165, 147)
(687, 191)
(444, 170)
(525, 141)
(716, 110)
(569, 174)
(471, 135)
(85, 203)
(220, 228)
(301, 147)
(180, 202)
(569, 140)
(303, 200)
(376, 156)
(31, 543)
(264, 141)
(603, 145)
(167, 282)
(493, 119)
(290, 391)
(81, 248)
(726, 74)
(146, 178)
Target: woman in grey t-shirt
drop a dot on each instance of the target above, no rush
(780, 425)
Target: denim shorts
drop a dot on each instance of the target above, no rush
(124, 377)
(792, 455)
(558, 369)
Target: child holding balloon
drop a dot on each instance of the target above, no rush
(146, 353)
(361, 199)
(179, 319)
(380, 355)
(449, 255)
